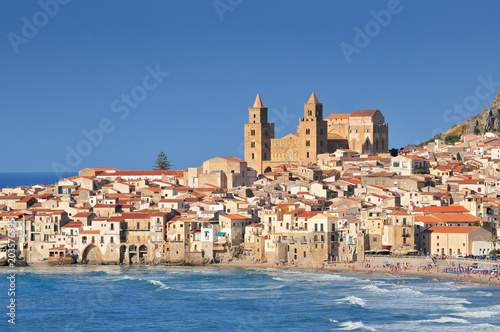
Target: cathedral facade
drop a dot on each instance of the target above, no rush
(363, 131)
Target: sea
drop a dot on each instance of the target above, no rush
(15, 179)
(159, 298)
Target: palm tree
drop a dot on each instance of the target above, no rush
(494, 241)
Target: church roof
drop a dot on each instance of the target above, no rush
(313, 99)
(335, 136)
(339, 116)
(258, 102)
(360, 113)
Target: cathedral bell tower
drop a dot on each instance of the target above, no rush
(312, 130)
(258, 134)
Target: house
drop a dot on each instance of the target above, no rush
(407, 165)
(452, 240)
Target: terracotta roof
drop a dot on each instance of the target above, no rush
(361, 113)
(457, 217)
(309, 214)
(82, 214)
(427, 219)
(73, 224)
(235, 216)
(339, 116)
(441, 209)
(90, 232)
(452, 229)
(335, 136)
(233, 159)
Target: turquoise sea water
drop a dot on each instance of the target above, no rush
(87, 298)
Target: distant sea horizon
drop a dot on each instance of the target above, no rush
(16, 179)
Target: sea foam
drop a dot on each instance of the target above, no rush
(348, 326)
(354, 300)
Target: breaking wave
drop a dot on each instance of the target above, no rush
(349, 326)
(354, 300)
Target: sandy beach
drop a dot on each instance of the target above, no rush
(435, 273)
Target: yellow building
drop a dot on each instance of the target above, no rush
(362, 131)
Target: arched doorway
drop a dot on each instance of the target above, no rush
(143, 253)
(132, 252)
(91, 254)
(123, 251)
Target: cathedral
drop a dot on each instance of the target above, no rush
(363, 131)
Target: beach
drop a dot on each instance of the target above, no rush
(397, 268)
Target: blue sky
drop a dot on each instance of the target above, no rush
(213, 57)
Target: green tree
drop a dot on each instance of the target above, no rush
(494, 241)
(162, 162)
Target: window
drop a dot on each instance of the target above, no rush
(308, 131)
(112, 226)
(253, 155)
(307, 154)
(395, 164)
(252, 144)
(252, 132)
(308, 143)
(321, 227)
(138, 225)
(111, 239)
(309, 113)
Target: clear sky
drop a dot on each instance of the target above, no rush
(85, 67)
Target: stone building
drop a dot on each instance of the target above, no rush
(362, 131)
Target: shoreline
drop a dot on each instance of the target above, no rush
(356, 268)
(376, 270)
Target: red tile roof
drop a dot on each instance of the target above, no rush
(441, 209)
(452, 229)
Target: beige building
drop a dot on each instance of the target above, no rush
(362, 131)
(223, 172)
(452, 240)
(365, 130)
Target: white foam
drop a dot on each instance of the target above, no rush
(282, 279)
(444, 319)
(375, 289)
(354, 300)
(485, 327)
(231, 289)
(159, 283)
(348, 326)
(454, 307)
(478, 314)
